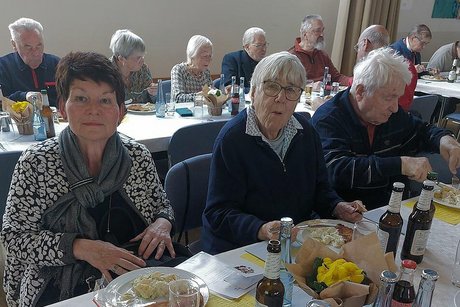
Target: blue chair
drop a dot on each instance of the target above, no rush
(8, 160)
(424, 106)
(193, 140)
(216, 83)
(305, 114)
(186, 186)
(166, 86)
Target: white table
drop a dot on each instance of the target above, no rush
(442, 88)
(147, 129)
(439, 256)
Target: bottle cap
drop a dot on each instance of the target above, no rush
(398, 186)
(433, 176)
(430, 274)
(409, 264)
(388, 276)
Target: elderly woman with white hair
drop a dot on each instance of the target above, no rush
(128, 51)
(241, 63)
(268, 163)
(188, 78)
(369, 142)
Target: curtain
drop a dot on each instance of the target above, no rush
(353, 17)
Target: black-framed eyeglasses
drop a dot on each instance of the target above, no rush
(422, 42)
(272, 89)
(265, 45)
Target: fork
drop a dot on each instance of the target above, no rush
(455, 182)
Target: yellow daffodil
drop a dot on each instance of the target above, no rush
(20, 106)
(331, 272)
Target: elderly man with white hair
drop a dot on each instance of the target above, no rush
(369, 142)
(28, 69)
(188, 78)
(268, 163)
(309, 48)
(242, 63)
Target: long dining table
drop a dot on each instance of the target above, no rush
(146, 128)
(442, 88)
(439, 256)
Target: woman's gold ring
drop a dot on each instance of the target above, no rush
(114, 268)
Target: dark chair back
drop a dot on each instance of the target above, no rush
(305, 114)
(193, 140)
(8, 160)
(216, 83)
(424, 106)
(186, 186)
(166, 86)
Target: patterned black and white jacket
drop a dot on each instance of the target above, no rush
(38, 182)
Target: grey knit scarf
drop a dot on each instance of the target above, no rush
(69, 214)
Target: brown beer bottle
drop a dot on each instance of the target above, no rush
(270, 289)
(47, 115)
(418, 225)
(391, 222)
(404, 292)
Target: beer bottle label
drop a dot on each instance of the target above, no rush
(383, 238)
(395, 303)
(419, 242)
(272, 266)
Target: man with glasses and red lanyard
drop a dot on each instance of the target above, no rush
(27, 70)
(410, 48)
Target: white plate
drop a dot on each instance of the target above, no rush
(122, 284)
(150, 111)
(445, 203)
(431, 78)
(301, 235)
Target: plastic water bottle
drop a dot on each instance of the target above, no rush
(242, 105)
(160, 104)
(38, 123)
(286, 277)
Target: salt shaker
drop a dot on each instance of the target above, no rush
(426, 288)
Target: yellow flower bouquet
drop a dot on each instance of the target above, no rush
(21, 112)
(348, 275)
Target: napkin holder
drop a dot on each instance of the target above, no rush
(22, 119)
(365, 252)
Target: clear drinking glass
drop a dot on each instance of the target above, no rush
(5, 122)
(184, 293)
(456, 268)
(335, 88)
(170, 105)
(364, 228)
(198, 106)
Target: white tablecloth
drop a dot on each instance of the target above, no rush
(147, 129)
(442, 88)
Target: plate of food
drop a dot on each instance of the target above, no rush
(433, 78)
(333, 233)
(141, 108)
(149, 287)
(447, 196)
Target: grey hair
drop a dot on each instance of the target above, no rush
(24, 24)
(377, 38)
(307, 22)
(279, 66)
(194, 44)
(248, 36)
(124, 43)
(420, 30)
(379, 68)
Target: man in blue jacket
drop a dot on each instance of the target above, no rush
(27, 70)
(242, 63)
(369, 142)
(267, 164)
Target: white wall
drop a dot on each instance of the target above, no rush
(443, 30)
(165, 25)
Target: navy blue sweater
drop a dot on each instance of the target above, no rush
(249, 185)
(358, 169)
(238, 64)
(16, 78)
